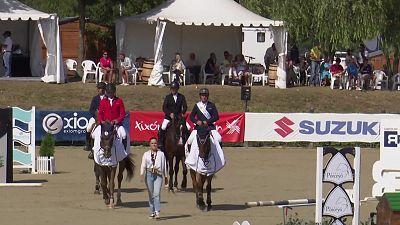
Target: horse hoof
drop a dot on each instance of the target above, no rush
(96, 192)
(175, 189)
(209, 207)
(111, 206)
(166, 187)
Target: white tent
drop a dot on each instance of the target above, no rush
(195, 26)
(29, 28)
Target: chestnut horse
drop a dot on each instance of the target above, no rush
(175, 137)
(108, 135)
(198, 179)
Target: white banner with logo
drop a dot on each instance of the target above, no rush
(314, 127)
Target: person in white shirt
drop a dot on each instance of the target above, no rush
(126, 64)
(152, 170)
(7, 54)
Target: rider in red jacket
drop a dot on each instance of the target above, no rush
(112, 109)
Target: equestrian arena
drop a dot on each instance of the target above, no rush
(251, 174)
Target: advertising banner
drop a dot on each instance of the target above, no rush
(65, 125)
(314, 127)
(145, 125)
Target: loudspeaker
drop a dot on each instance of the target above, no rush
(246, 93)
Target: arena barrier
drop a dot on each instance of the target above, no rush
(280, 202)
(6, 168)
(23, 143)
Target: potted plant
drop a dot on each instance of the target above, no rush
(46, 162)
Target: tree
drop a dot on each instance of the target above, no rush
(334, 24)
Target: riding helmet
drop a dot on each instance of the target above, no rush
(101, 85)
(110, 87)
(204, 91)
(175, 85)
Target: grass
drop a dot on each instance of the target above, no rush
(77, 96)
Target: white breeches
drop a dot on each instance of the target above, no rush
(166, 122)
(90, 125)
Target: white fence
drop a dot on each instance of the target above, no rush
(46, 165)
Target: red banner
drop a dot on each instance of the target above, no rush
(144, 125)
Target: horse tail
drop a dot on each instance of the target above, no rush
(129, 166)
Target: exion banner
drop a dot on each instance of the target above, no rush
(314, 127)
(145, 125)
(65, 125)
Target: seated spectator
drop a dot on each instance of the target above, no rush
(352, 71)
(107, 67)
(324, 71)
(241, 69)
(366, 75)
(227, 63)
(338, 71)
(126, 64)
(303, 68)
(177, 67)
(211, 66)
(194, 67)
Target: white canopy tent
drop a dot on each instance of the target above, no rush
(195, 26)
(29, 28)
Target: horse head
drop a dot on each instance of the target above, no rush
(204, 142)
(178, 124)
(107, 137)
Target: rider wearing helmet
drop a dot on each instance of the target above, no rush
(93, 110)
(112, 109)
(205, 113)
(174, 104)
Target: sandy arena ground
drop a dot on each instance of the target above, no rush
(251, 174)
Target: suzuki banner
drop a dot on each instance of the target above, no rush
(65, 125)
(145, 125)
(314, 127)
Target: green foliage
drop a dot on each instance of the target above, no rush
(1, 161)
(295, 220)
(47, 146)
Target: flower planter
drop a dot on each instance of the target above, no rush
(46, 165)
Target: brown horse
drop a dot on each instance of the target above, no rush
(108, 133)
(176, 135)
(198, 179)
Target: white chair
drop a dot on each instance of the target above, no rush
(99, 73)
(71, 64)
(381, 79)
(205, 75)
(89, 67)
(172, 77)
(133, 71)
(258, 76)
(224, 74)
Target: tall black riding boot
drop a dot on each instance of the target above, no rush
(88, 140)
(161, 137)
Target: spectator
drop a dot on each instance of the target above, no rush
(294, 55)
(362, 56)
(227, 63)
(211, 66)
(349, 57)
(352, 71)
(324, 70)
(126, 64)
(338, 71)
(241, 69)
(270, 56)
(107, 67)
(7, 52)
(366, 75)
(303, 70)
(315, 56)
(177, 67)
(194, 67)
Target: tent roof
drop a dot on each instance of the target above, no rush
(204, 12)
(15, 10)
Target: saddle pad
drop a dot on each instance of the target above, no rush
(118, 152)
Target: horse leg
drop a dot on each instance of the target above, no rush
(111, 186)
(176, 172)
(208, 188)
(97, 174)
(121, 169)
(184, 178)
(194, 183)
(171, 172)
(200, 183)
(104, 171)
